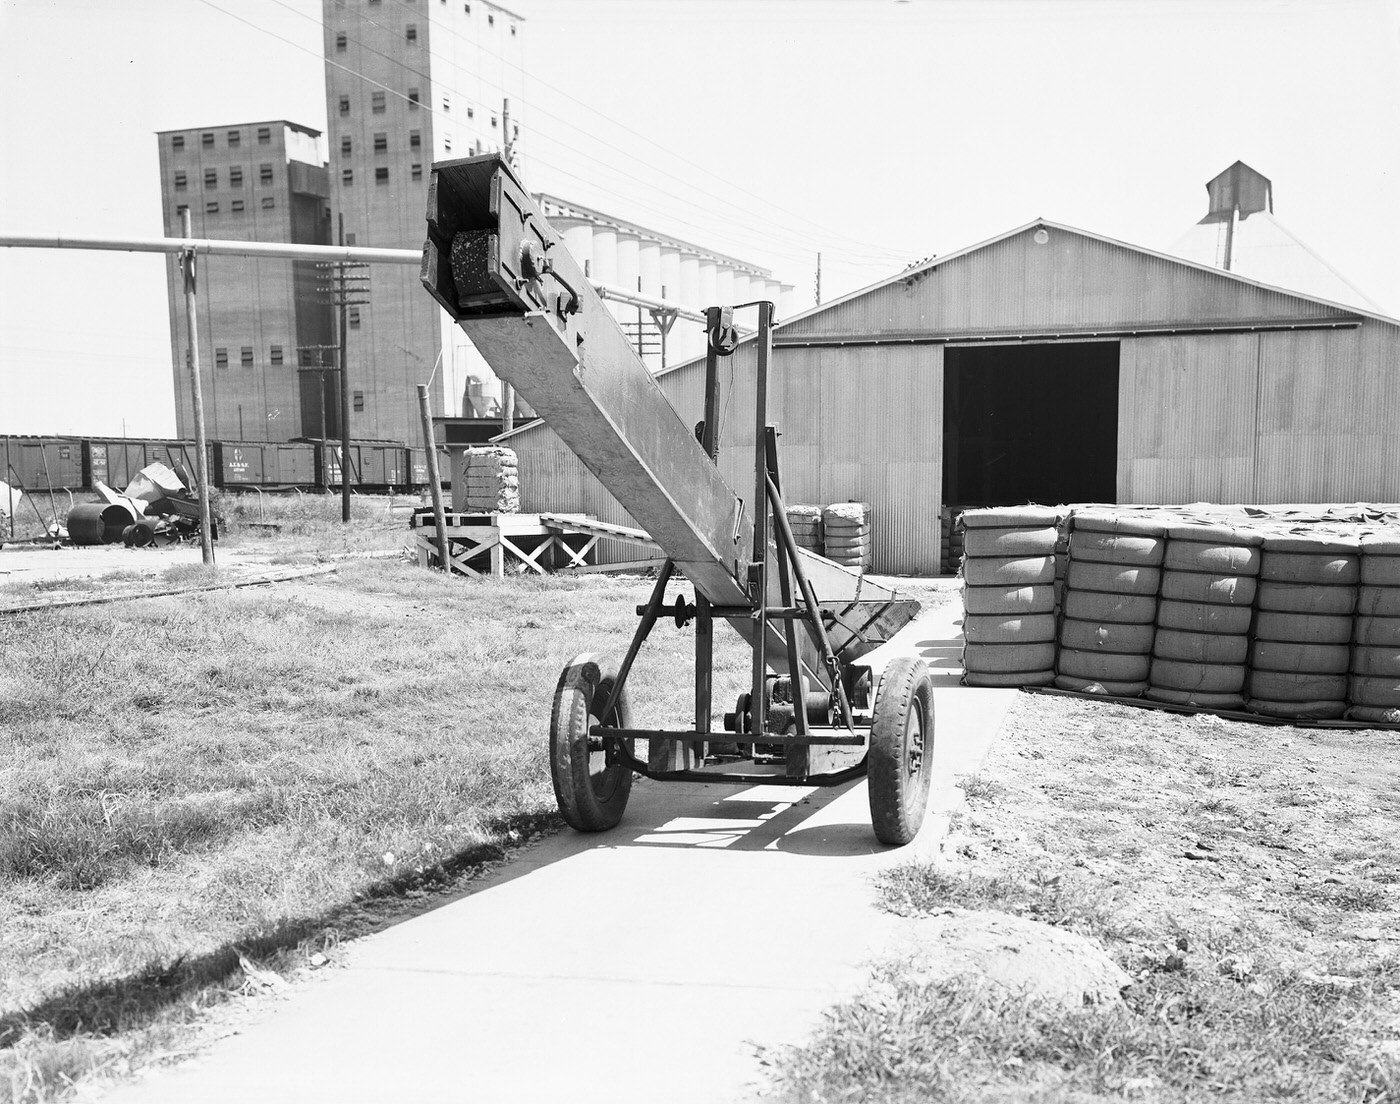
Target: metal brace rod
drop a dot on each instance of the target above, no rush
(658, 597)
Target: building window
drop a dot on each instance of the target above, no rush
(275, 355)
(471, 113)
(235, 177)
(376, 102)
(353, 318)
(381, 143)
(207, 140)
(358, 398)
(180, 209)
(264, 174)
(180, 181)
(446, 104)
(413, 99)
(416, 171)
(177, 141)
(245, 356)
(493, 119)
(345, 146)
(347, 176)
(236, 206)
(490, 20)
(411, 32)
(381, 174)
(512, 28)
(211, 178)
(446, 144)
(349, 239)
(264, 135)
(211, 208)
(467, 8)
(268, 203)
(345, 105)
(415, 139)
(234, 137)
(220, 358)
(340, 43)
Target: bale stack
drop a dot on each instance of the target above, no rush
(487, 481)
(806, 525)
(945, 539)
(1374, 685)
(1109, 610)
(956, 537)
(1009, 596)
(846, 534)
(1201, 648)
(1301, 651)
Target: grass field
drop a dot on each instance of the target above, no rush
(265, 772)
(1246, 877)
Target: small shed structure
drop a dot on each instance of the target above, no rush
(1049, 365)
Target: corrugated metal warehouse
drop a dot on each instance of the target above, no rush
(1048, 365)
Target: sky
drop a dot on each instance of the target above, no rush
(876, 132)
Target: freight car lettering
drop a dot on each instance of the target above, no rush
(98, 455)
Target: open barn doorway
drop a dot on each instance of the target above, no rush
(1030, 423)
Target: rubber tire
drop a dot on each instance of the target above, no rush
(588, 802)
(1191, 647)
(1121, 609)
(1038, 628)
(1008, 570)
(1215, 590)
(1378, 632)
(1112, 578)
(1203, 617)
(1376, 601)
(1307, 598)
(1009, 601)
(1283, 686)
(1011, 542)
(1095, 636)
(1303, 628)
(1103, 667)
(1302, 659)
(899, 765)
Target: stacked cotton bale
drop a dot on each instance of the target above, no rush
(1201, 648)
(1109, 608)
(486, 481)
(1009, 596)
(945, 534)
(1301, 652)
(806, 525)
(846, 534)
(956, 536)
(1374, 687)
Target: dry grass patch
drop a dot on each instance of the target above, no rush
(1242, 875)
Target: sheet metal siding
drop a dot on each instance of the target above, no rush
(1186, 411)
(1070, 283)
(1329, 407)
(854, 424)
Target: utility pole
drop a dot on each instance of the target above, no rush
(347, 285)
(201, 448)
(819, 279)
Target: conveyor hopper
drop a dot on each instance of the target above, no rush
(497, 267)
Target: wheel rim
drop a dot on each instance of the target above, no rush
(914, 743)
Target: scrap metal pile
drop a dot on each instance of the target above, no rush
(156, 508)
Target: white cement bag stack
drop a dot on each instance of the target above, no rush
(1209, 580)
(1301, 647)
(806, 525)
(1008, 573)
(1109, 610)
(846, 534)
(1374, 686)
(486, 481)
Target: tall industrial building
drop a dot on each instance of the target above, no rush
(262, 326)
(410, 82)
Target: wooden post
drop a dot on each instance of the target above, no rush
(201, 447)
(344, 389)
(434, 481)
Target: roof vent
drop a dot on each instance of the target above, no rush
(1241, 191)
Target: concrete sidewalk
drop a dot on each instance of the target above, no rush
(640, 964)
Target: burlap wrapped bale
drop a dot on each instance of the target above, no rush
(1373, 688)
(846, 537)
(805, 521)
(486, 480)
